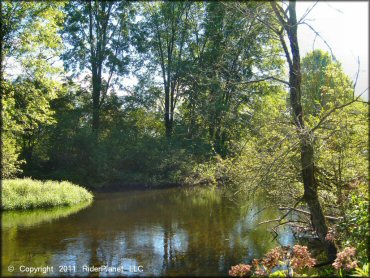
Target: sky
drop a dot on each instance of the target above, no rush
(345, 27)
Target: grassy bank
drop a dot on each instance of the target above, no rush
(29, 194)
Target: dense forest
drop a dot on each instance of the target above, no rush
(212, 94)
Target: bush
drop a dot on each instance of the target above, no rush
(28, 194)
(354, 229)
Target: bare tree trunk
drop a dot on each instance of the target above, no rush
(289, 23)
(167, 113)
(96, 102)
(94, 73)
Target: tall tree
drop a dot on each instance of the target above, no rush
(230, 61)
(340, 159)
(164, 33)
(289, 24)
(30, 44)
(96, 35)
(315, 81)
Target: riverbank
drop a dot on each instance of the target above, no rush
(23, 194)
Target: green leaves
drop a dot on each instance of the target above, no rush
(31, 45)
(97, 35)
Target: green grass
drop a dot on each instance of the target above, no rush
(20, 194)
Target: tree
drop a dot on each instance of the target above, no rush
(314, 77)
(289, 24)
(165, 34)
(30, 43)
(340, 139)
(96, 35)
(10, 151)
(224, 66)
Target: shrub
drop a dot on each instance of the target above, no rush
(280, 261)
(240, 270)
(345, 259)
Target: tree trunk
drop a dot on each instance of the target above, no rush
(96, 114)
(96, 103)
(94, 71)
(306, 137)
(167, 116)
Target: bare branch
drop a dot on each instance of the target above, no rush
(357, 73)
(336, 108)
(318, 35)
(308, 213)
(269, 221)
(307, 12)
(263, 79)
(281, 17)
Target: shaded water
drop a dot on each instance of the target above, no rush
(159, 232)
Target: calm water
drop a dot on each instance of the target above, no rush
(160, 232)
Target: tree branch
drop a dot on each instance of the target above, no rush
(318, 35)
(308, 213)
(262, 79)
(334, 109)
(307, 12)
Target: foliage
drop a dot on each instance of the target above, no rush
(96, 38)
(362, 272)
(30, 26)
(278, 262)
(345, 259)
(10, 150)
(290, 262)
(28, 194)
(340, 156)
(106, 41)
(30, 45)
(354, 229)
(240, 270)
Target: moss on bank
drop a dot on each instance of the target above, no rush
(26, 193)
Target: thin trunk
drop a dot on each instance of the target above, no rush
(168, 90)
(94, 72)
(167, 116)
(96, 112)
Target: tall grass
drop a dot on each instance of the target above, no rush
(29, 194)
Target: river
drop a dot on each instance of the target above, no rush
(168, 232)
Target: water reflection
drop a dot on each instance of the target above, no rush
(20, 219)
(168, 232)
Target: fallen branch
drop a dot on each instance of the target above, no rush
(308, 213)
(269, 221)
(282, 217)
(300, 227)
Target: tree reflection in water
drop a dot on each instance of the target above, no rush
(168, 232)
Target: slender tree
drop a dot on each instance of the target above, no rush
(228, 64)
(164, 35)
(289, 24)
(96, 35)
